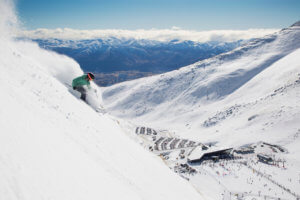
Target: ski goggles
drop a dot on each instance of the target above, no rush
(89, 76)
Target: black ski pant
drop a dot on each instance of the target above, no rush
(82, 91)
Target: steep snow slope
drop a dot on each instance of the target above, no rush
(54, 146)
(266, 108)
(205, 99)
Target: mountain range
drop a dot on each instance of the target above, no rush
(116, 60)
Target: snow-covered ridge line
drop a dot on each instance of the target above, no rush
(127, 55)
(119, 42)
(152, 34)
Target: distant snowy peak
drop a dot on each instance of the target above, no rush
(123, 42)
(288, 43)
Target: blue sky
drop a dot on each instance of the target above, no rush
(159, 14)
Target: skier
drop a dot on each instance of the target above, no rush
(80, 82)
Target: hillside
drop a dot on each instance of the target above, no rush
(231, 120)
(253, 89)
(177, 94)
(54, 146)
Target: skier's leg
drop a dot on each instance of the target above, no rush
(83, 96)
(82, 91)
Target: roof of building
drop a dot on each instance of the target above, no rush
(197, 153)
